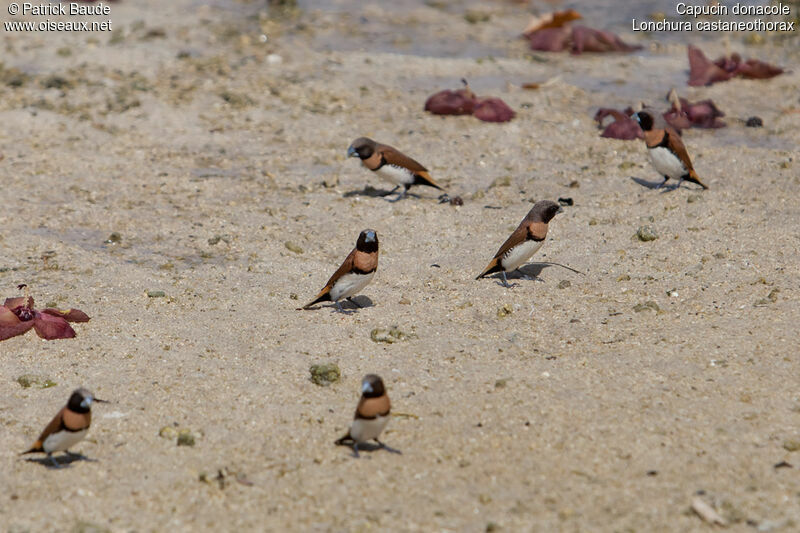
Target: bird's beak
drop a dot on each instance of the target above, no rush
(351, 152)
(366, 388)
(560, 209)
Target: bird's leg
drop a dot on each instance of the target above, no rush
(506, 284)
(350, 299)
(53, 460)
(355, 450)
(666, 178)
(387, 448)
(392, 191)
(400, 195)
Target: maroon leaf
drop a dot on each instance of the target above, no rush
(754, 69)
(702, 71)
(585, 39)
(464, 102)
(705, 72)
(493, 110)
(460, 102)
(623, 127)
(70, 315)
(550, 39)
(51, 327)
(703, 114)
(13, 303)
(11, 325)
(17, 316)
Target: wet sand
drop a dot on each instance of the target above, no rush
(602, 401)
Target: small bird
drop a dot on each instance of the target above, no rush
(68, 427)
(667, 151)
(524, 242)
(355, 273)
(372, 415)
(391, 165)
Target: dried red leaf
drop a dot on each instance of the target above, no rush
(553, 33)
(464, 102)
(702, 71)
(623, 127)
(703, 114)
(11, 325)
(550, 39)
(460, 102)
(51, 327)
(585, 39)
(757, 70)
(70, 315)
(17, 316)
(493, 110)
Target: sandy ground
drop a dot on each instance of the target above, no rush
(207, 150)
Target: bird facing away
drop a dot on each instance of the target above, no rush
(391, 165)
(355, 273)
(68, 427)
(524, 241)
(372, 415)
(667, 151)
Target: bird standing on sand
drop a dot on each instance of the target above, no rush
(68, 427)
(667, 151)
(372, 415)
(524, 241)
(356, 272)
(391, 165)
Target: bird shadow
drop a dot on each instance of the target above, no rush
(369, 447)
(369, 190)
(63, 460)
(372, 192)
(353, 304)
(648, 184)
(531, 270)
(655, 185)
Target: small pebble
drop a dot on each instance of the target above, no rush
(32, 380)
(156, 294)
(292, 247)
(564, 283)
(504, 311)
(389, 335)
(186, 438)
(646, 233)
(754, 122)
(791, 445)
(324, 374)
(649, 305)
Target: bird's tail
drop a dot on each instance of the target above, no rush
(693, 177)
(423, 178)
(36, 448)
(324, 296)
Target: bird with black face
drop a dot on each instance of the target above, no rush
(372, 415)
(68, 427)
(666, 149)
(356, 272)
(391, 165)
(524, 241)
